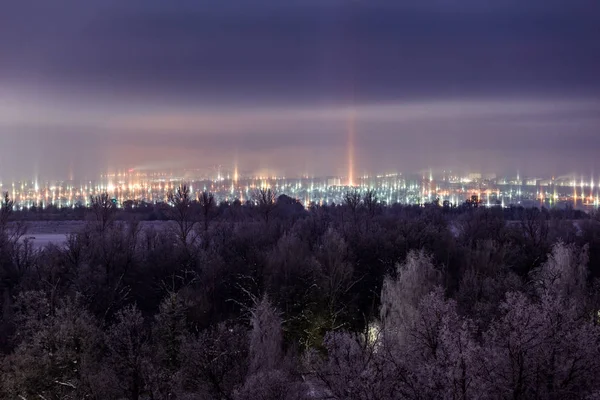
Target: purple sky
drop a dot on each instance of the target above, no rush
(448, 84)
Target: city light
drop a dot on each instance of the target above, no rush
(153, 187)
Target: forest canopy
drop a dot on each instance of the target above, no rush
(269, 299)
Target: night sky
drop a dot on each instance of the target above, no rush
(87, 86)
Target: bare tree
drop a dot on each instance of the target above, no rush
(371, 202)
(534, 226)
(181, 212)
(337, 273)
(265, 198)
(214, 364)
(352, 200)
(5, 211)
(13, 235)
(207, 203)
(103, 209)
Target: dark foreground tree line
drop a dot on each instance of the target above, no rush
(271, 301)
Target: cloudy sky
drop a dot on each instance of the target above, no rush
(87, 86)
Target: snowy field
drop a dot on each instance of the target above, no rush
(44, 239)
(42, 233)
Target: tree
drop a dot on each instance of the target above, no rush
(265, 198)
(441, 353)
(484, 279)
(6, 210)
(266, 337)
(564, 274)
(400, 297)
(127, 342)
(273, 385)
(214, 364)
(9, 238)
(207, 204)
(371, 202)
(352, 202)
(354, 369)
(534, 226)
(336, 275)
(103, 210)
(542, 350)
(168, 335)
(181, 212)
(291, 277)
(58, 353)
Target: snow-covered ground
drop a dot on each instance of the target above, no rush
(42, 233)
(44, 239)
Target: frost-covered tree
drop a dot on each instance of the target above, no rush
(441, 352)
(168, 334)
(58, 354)
(127, 342)
(564, 273)
(354, 368)
(400, 297)
(266, 337)
(541, 350)
(273, 385)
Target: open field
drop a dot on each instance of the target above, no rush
(42, 233)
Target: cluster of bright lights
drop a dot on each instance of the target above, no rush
(390, 188)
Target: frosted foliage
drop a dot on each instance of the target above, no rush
(126, 342)
(441, 351)
(54, 358)
(540, 350)
(265, 338)
(353, 369)
(534, 349)
(272, 385)
(564, 273)
(437, 360)
(400, 297)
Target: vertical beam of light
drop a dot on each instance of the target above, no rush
(350, 144)
(235, 178)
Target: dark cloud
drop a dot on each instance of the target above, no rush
(70, 69)
(243, 51)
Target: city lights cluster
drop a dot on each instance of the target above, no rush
(441, 188)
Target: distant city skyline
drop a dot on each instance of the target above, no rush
(441, 187)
